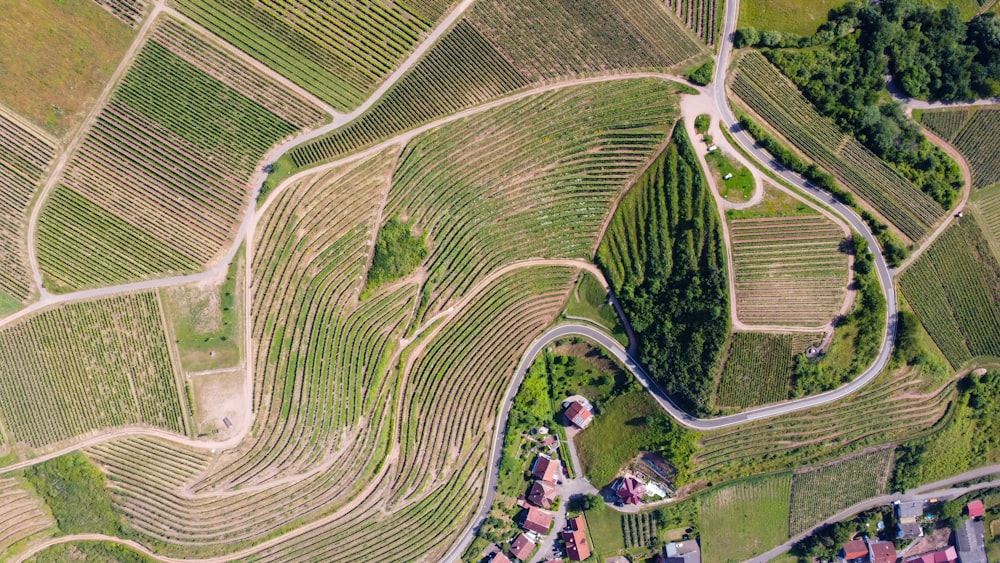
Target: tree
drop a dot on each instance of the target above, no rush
(745, 37)
(593, 503)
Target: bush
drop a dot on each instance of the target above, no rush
(702, 122)
(75, 492)
(397, 253)
(703, 74)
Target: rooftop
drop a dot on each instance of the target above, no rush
(545, 468)
(522, 547)
(970, 539)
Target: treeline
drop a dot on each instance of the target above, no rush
(664, 258)
(892, 248)
(867, 317)
(842, 71)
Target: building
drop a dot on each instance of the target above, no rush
(579, 414)
(522, 547)
(946, 555)
(536, 520)
(970, 539)
(501, 558)
(629, 489)
(545, 468)
(682, 552)
(907, 514)
(975, 509)
(575, 538)
(854, 551)
(542, 493)
(881, 552)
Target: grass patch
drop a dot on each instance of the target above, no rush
(89, 552)
(589, 301)
(746, 518)
(397, 253)
(775, 203)
(281, 170)
(793, 16)
(55, 57)
(74, 490)
(740, 186)
(605, 526)
(8, 304)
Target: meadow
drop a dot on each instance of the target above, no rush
(987, 204)
(589, 301)
(790, 16)
(746, 518)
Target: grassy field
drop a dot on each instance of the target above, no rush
(745, 519)
(737, 189)
(590, 301)
(987, 203)
(757, 370)
(605, 526)
(792, 16)
(616, 436)
(822, 491)
(55, 58)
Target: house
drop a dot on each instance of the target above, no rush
(854, 551)
(501, 558)
(882, 552)
(682, 552)
(575, 538)
(629, 489)
(907, 514)
(579, 414)
(947, 555)
(976, 509)
(536, 520)
(970, 539)
(522, 547)
(545, 468)
(542, 493)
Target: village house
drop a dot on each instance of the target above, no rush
(545, 468)
(629, 489)
(575, 538)
(682, 552)
(536, 520)
(946, 555)
(854, 551)
(975, 509)
(522, 547)
(542, 493)
(970, 539)
(578, 414)
(500, 557)
(907, 514)
(865, 551)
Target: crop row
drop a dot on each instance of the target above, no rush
(788, 270)
(337, 51)
(977, 141)
(988, 204)
(21, 516)
(820, 492)
(57, 385)
(553, 39)
(169, 157)
(946, 122)
(955, 290)
(757, 370)
(463, 69)
(701, 16)
(518, 192)
(774, 98)
(24, 157)
(131, 12)
(640, 530)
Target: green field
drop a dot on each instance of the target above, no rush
(737, 189)
(792, 16)
(89, 552)
(987, 203)
(605, 526)
(757, 370)
(589, 300)
(745, 519)
(55, 58)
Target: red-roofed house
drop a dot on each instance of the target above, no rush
(976, 509)
(854, 550)
(501, 558)
(536, 520)
(882, 552)
(545, 468)
(947, 555)
(629, 490)
(579, 415)
(522, 547)
(575, 538)
(542, 493)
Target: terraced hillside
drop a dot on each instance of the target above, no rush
(25, 154)
(23, 515)
(160, 182)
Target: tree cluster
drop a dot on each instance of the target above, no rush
(74, 489)
(397, 253)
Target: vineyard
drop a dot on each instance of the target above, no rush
(821, 492)
(987, 203)
(893, 408)
(761, 87)
(757, 370)
(789, 271)
(640, 530)
(955, 290)
(746, 518)
(703, 17)
(57, 385)
(25, 154)
(546, 40)
(159, 184)
(337, 51)
(132, 12)
(461, 70)
(974, 132)
(23, 516)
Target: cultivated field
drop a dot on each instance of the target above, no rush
(975, 133)
(954, 288)
(25, 154)
(159, 184)
(987, 204)
(461, 70)
(55, 58)
(793, 16)
(701, 16)
(760, 86)
(546, 40)
(640, 530)
(821, 492)
(58, 385)
(788, 270)
(757, 370)
(131, 12)
(337, 51)
(746, 518)
(23, 515)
